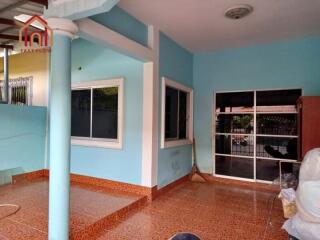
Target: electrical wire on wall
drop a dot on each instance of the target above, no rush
(17, 208)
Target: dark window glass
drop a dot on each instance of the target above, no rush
(277, 101)
(105, 113)
(277, 124)
(19, 95)
(235, 167)
(182, 115)
(267, 170)
(277, 147)
(80, 113)
(294, 168)
(171, 113)
(234, 123)
(235, 145)
(276, 115)
(235, 102)
(176, 108)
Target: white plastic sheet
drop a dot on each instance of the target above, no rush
(305, 225)
(308, 201)
(310, 167)
(308, 193)
(301, 229)
(288, 194)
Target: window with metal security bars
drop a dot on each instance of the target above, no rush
(20, 91)
(254, 131)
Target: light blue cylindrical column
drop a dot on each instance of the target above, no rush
(60, 130)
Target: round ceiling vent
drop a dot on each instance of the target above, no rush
(239, 11)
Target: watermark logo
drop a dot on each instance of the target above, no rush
(40, 40)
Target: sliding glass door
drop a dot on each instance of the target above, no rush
(254, 131)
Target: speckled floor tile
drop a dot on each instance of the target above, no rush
(14, 230)
(89, 204)
(212, 211)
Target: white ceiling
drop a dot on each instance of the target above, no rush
(200, 25)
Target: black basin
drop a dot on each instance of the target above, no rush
(185, 236)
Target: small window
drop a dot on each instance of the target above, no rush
(96, 118)
(20, 91)
(177, 104)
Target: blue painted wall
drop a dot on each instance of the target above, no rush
(292, 64)
(101, 63)
(22, 137)
(176, 63)
(120, 21)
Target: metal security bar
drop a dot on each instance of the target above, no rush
(20, 91)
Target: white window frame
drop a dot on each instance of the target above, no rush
(189, 131)
(100, 142)
(254, 134)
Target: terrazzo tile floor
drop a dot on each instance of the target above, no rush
(212, 211)
(89, 204)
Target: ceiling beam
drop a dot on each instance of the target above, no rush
(13, 6)
(6, 46)
(100, 34)
(7, 21)
(6, 29)
(12, 23)
(10, 37)
(42, 2)
(22, 2)
(13, 37)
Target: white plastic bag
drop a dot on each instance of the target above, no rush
(301, 229)
(308, 192)
(308, 201)
(288, 194)
(305, 225)
(310, 167)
